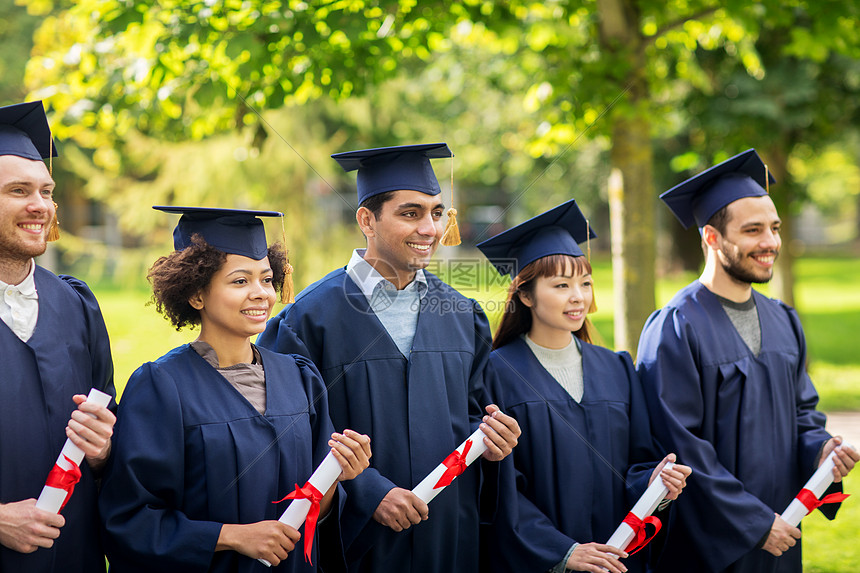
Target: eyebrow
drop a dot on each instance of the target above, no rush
(23, 183)
(247, 272)
(419, 206)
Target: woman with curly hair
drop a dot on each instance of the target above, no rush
(215, 430)
(586, 453)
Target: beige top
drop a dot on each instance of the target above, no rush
(248, 379)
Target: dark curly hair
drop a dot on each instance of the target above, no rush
(182, 274)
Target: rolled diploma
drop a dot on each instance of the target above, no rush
(425, 491)
(645, 506)
(323, 478)
(817, 484)
(51, 498)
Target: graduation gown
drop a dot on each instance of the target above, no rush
(67, 354)
(578, 467)
(191, 453)
(415, 410)
(746, 424)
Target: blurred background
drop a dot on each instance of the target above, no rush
(240, 104)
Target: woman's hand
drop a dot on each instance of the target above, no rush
(674, 478)
(596, 557)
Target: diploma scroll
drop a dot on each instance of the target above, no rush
(817, 484)
(322, 479)
(642, 510)
(451, 467)
(66, 472)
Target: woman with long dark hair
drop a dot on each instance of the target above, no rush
(586, 452)
(215, 431)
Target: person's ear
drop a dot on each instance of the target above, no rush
(710, 236)
(365, 218)
(525, 298)
(196, 301)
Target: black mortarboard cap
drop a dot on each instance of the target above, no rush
(233, 231)
(555, 232)
(698, 198)
(24, 131)
(394, 168)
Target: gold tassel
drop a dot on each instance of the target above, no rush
(54, 230)
(451, 235)
(766, 180)
(588, 239)
(287, 289)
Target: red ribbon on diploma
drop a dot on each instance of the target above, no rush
(456, 464)
(810, 502)
(64, 479)
(311, 493)
(638, 527)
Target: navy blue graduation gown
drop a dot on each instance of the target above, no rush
(67, 354)
(191, 453)
(746, 424)
(415, 410)
(578, 467)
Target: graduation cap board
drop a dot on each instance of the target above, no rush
(697, 199)
(555, 232)
(233, 231)
(24, 131)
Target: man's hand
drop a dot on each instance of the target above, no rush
(269, 540)
(782, 536)
(401, 509)
(843, 461)
(596, 557)
(91, 428)
(501, 433)
(24, 528)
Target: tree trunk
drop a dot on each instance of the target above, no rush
(783, 195)
(634, 250)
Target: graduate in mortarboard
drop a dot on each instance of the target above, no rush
(403, 356)
(53, 349)
(586, 454)
(215, 431)
(723, 370)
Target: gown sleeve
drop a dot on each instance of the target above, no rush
(144, 483)
(730, 521)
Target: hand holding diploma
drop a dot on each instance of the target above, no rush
(349, 456)
(88, 435)
(630, 535)
(501, 433)
(837, 459)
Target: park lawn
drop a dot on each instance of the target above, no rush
(834, 546)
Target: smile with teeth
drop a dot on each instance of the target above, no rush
(418, 246)
(574, 313)
(765, 259)
(31, 226)
(254, 312)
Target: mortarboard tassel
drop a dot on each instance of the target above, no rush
(54, 229)
(593, 306)
(287, 288)
(766, 180)
(451, 235)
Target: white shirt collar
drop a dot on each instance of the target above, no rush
(369, 280)
(26, 287)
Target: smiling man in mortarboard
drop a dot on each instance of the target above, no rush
(403, 356)
(724, 371)
(53, 349)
